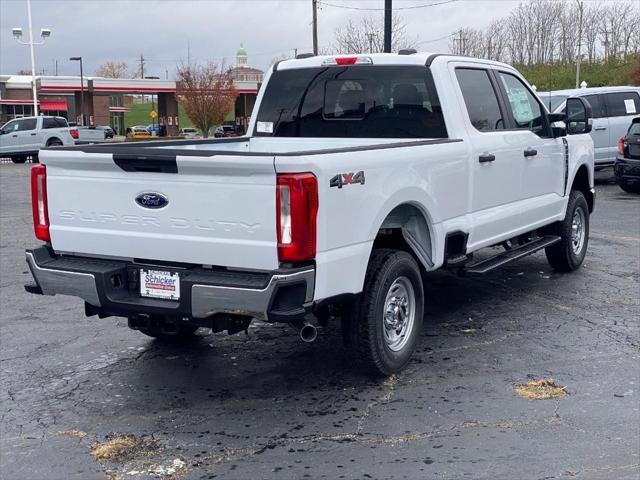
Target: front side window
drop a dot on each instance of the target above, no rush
(357, 101)
(480, 99)
(526, 110)
(11, 126)
(598, 109)
(622, 103)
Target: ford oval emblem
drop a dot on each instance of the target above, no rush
(152, 200)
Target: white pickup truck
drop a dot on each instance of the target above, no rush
(23, 137)
(359, 176)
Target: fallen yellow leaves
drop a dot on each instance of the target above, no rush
(115, 448)
(540, 390)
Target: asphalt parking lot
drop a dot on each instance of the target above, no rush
(266, 405)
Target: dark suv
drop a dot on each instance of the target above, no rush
(627, 165)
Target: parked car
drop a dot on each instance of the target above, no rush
(137, 131)
(109, 132)
(189, 133)
(361, 175)
(627, 165)
(23, 137)
(226, 131)
(154, 128)
(612, 108)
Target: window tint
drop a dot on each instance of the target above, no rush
(598, 109)
(480, 99)
(27, 124)
(622, 103)
(351, 101)
(634, 129)
(525, 108)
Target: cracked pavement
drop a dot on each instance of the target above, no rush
(265, 405)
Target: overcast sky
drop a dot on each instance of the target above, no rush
(160, 30)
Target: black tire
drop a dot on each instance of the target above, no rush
(19, 159)
(184, 333)
(54, 142)
(567, 256)
(364, 327)
(629, 187)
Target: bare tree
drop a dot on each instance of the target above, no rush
(592, 21)
(206, 92)
(367, 35)
(110, 69)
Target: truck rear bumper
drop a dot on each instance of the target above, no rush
(112, 288)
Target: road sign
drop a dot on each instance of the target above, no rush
(153, 114)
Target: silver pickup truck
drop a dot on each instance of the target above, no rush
(24, 137)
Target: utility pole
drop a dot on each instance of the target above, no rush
(606, 44)
(579, 56)
(388, 9)
(371, 36)
(56, 67)
(141, 66)
(461, 42)
(314, 5)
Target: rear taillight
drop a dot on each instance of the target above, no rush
(74, 133)
(621, 146)
(39, 202)
(297, 207)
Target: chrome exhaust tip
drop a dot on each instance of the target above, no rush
(308, 333)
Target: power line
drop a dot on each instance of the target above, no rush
(413, 7)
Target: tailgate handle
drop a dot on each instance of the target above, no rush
(146, 163)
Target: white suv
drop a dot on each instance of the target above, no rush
(612, 110)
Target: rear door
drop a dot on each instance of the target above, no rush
(207, 210)
(621, 108)
(600, 133)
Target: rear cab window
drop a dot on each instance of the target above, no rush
(357, 101)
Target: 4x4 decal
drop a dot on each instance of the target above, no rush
(342, 179)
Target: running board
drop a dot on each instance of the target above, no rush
(507, 256)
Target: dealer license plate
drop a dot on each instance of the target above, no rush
(159, 284)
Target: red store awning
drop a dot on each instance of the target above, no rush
(53, 106)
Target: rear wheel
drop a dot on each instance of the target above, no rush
(567, 255)
(629, 187)
(384, 325)
(54, 143)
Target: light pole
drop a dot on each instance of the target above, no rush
(79, 59)
(17, 35)
(579, 56)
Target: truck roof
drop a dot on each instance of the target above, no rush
(418, 58)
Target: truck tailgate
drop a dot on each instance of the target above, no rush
(220, 210)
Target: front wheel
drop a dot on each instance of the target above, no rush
(568, 254)
(385, 323)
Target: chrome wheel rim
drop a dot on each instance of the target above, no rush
(399, 313)
(578, 230)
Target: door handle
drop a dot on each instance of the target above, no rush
(33, 134)
(530, 152)
(15, 136)
(486, 157)
(599, 129)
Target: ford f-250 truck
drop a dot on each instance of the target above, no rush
(359, 176)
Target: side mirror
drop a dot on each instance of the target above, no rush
(578, 118)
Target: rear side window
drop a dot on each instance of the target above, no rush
(27, 124)
(481, 100)
(598, 109)
(54, 122)
(634, 129)
(622, 103)
(357, 101)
